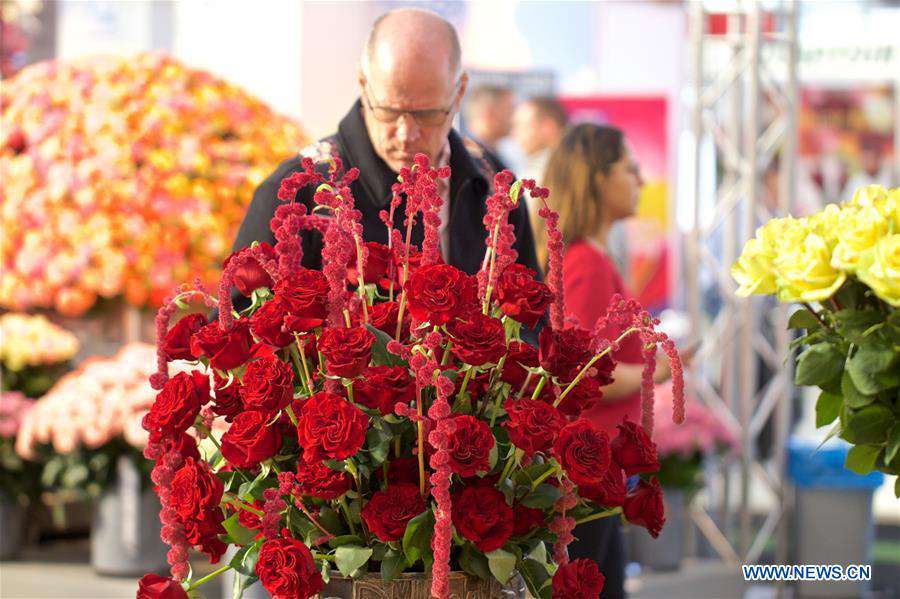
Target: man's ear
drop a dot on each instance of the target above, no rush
(360, 79)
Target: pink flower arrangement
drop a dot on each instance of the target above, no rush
(701, 431)
(125, 176)
(13, 407)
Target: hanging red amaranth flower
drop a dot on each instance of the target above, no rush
(562, 525)
(163, 317)
(555, 247)
(500, 236)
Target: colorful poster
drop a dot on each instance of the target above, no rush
(646, 252)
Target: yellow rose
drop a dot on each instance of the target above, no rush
(753, 270)
(858, 229)
(868, 195)
(826, 223)
(803, 270)
(879, 268)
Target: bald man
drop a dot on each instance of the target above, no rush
(411, 84)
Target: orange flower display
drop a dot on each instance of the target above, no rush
(125, 176)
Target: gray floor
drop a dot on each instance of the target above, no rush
(61, 571)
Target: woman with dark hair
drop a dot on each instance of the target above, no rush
(594, 181)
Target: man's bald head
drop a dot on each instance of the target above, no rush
(412, 36)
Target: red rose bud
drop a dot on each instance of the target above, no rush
(583, 452)
(381, 387)
(521, 297)
(389, 511)
(375, 266)
(154, 586)
(610, 491)
(633, 450)
(287, 570)
(315, 479)
(224, 349)
(330, 427)
(439, 293)
(383, 316)
(583, 396)
(177, 344)
(305, 294)
(519, 356)
(227, 401)
(267, 385)
(177, 405)
(563, 353)
(248, 519)
(250, 440)
(481, 515)
(579, 579)
(478, 340)
(644, 506)
(251, 275)
(532, 425)
(469, 445)
(269, 324)
(526, 519)
(347, 351)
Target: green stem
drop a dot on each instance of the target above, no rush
(291, 415)
(589, 364)
(599, 515)
(516, 456)
(544, 476)
(324, 556)
(208, 577)
(493, 248)
(465, 383)
(295, 356)
(241, 505)
(343, 503)
(539, 387)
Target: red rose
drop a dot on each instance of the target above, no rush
(376, 264)
(177, 405)
(478, 340)
(184, 444)
(481, 514)
(383, 316)
(305, 294)
(579, 579)
(532, 425)
(563, 353)
(583, 396)
(389, 511)
(519, 356)
(203, 533)
(633, 450)
(267, 385)
(227, 401)
(195, 489)
(610, 491)
(154, 586)
(249, 440)
(224, 349)
(399, 257)
(583, 452)
(644, 506)
(268, 323)
(287, 570)
(469, 445)
(177, 345)
(476, 387)
(439, 293)
(331, 427)
(347, 351)
(315, 479)
(250, 275)
(526, 519)
(520, 296)
(381, 387)
(248, 519)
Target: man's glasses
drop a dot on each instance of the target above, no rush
(429, 117)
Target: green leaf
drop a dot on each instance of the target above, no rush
(378, 442)
(474, 562)
(539, 553)
(380, 354)
(893, 444)
(852, 395)
(501, 563)
(537, 578)
(853, 324)
(241, 535)
(330, 520)
(828, 407)
(803, 319)
(543, 497)
(514, 190)
(336, 542)
(392, 564)
(861, 458)
(897, 487)
(350, 558)
(244, 561)
(868, 361)
(868, 425)
(417, 537)
(819, 364)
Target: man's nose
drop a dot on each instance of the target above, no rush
(407, 128)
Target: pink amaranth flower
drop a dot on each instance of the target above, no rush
(500, 234)
(554, 260)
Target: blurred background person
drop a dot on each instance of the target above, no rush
(487, 113)
(538, 125)
(596, 182)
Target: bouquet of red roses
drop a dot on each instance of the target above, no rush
(385, 415)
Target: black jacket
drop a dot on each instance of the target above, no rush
(470, 186)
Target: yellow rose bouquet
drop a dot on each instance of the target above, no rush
(842, 266)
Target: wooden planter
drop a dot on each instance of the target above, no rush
(409, 586)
